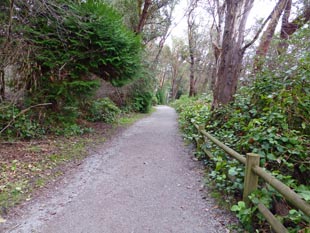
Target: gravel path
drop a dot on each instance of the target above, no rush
(144, 180)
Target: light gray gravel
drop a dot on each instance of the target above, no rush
(144, 180)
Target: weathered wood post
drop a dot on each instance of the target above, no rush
(199, 140)
(250, 179)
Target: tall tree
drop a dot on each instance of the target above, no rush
(191, 30)
(165, 32)
(217, 10)
(178, 67)
(230, 51)
(204, 65)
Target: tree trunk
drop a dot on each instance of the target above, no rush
(174, 76)
(9, 32)
(288, 28)
(163, 79)
(266, 38)
(192, 87)
(2, 86)
(143, 16)
(207, 78)
(283, 35)
(5, 50)
(231, 51)
(191, 48)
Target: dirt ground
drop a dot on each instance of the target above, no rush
(28, 166)
(143, 180)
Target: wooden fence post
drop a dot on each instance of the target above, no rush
(200, 141)
(250, 179)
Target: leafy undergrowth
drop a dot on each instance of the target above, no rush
(27, 166)
(282, 144)
(230, 125)
(270, 117)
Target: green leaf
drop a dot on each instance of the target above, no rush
(232, 171)
(271, 156)
(235, 208)
(241, 204)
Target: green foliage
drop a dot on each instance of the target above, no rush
(244, 214)
(142, 95)
(142, 102)
(77, 39)
(4, 11)
(18, 125)
(161, 96)
(70, 129)
(26, 125)
(70, 42)
(271, 118)
(232, 125)
(103, 110)
(192, 110)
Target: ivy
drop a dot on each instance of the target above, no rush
(271, 118)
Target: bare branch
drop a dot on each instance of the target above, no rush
(259, 31)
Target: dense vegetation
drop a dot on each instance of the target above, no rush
(59, 50)
(270, 117)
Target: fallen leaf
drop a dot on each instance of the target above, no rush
(2, 220)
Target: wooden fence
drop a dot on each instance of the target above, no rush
(252, 173)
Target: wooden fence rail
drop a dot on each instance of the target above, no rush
(252, 173)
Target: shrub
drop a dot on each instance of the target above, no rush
(72, 40)
(161, 96)
(142, 91)
(17, 124)
(103, 110)
(142, 102)
(69, 42)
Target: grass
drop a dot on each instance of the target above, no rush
(130, 118)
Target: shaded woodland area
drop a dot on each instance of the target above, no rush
(249, 85)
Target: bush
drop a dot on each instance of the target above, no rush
(68, 42)
(161, 96)
(141, 94)
(72, 40)
(103, 110)
(142, 102)
(17, 124)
